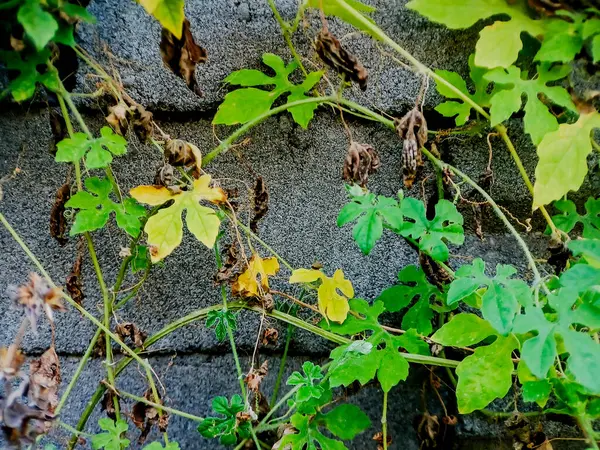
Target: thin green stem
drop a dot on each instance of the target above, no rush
(299, 15)
(134, 291)
(442, 165)
(157, 404)
(384, 420)
(285, 31)
(288, 340)
(78, 371)
(588, 431)
(229, 330)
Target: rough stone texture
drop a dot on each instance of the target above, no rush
(302, 170)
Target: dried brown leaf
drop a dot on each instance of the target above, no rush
(117, 118)
(11, 360)
(130, 330)
(232, 266)
(108, 404)
(35, 297)
(260, 203)
(58, 128)
(412, 129)
(332, 53)
(74, 283)
(270, 336)
(436, 274)
(58, 222)
(180, 153)
(44, 380)
(145, 416)
(256, 376)
(361, 161)
(428, 430)
(378, 438)
(142, 122)
(164, 175)
(182, 55)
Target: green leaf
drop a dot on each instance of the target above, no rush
(39, 25)
(367, 320)
(98, 152)
(562, 165)
(169, 13)
(346, 421)
(77, 12)
(589, 249)
(499, 44)
(370, 213)
(563, 39)
(308, 436)
(220, 320)
(337, 8)
(595, 48)
(570, 218)
(111, 439)
(158, 446)
(538, 120)
(458, 107)
(534, 390)
(485, 375)
(501, 300)
(226, 428)
(413, 343)
(23, 86)
(95, 209)
(433, 234)
(243, 105)
(463, 330)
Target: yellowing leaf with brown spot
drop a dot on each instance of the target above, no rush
(165, 228)
(247, 283)
(332, 304)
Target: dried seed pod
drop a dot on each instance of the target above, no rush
(58, 222)
(332, 53)
(412, 129)
(74, 283)
(182, 153)
(361, 161)
(260, 203)
(182, 55)
(58, 128)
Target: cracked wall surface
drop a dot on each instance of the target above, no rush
(302, 170)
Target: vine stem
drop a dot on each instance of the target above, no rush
(384, 420)
(285, 31)
(228, 142)
(588, 431)
(378, 33)
(229, 330)
(442, 165)
(72, 302)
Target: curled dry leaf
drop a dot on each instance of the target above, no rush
(130, 330)
(117, 118)
(17, 45)
(108, 404)
(283, 431)
(332, 53)
(35, 297)
(428, 431)
(164, 175)
(142, 122)
(58, 128)
(270, 336)
(232, 266)
(260, 203)
(256, 376)
(412, 129)
(145, 416)
(11, 360)
(267, 302)
(378, 438)
(100, 347)
(182, 55)
(74, 284)
(436, 274)
(361, 161)
(181, 153)
(58, 222)
(45, 379)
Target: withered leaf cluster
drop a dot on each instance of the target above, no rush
(128, 330)
(182, 55)
(58, 222)
(524, 435)
(108, 403)
(179, 153)
(232, 266)
(27, 411)
(257, 400)
(145, 416)
(412, 129)
(332, 53)
(361, 161)
(260, 203)
(36, 297)
(122, 115)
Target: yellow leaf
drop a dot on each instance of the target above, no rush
(247, 284)
(165, 228)
(332, 304)
(168, 12)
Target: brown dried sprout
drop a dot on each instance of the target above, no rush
(270, 336)
(164, 175)
(180, 153)
(332, 53)
(145, 416)
(182, 55)
(130, 330)
(378, 438)
(412, 129)
(45, 379)
(256, 376)
(35, 297)
(74, 284)
(58, 222)
(117, 118)
(122, 115)
(361, 161)
(260, 203)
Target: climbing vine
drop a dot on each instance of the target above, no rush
(493, 330)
